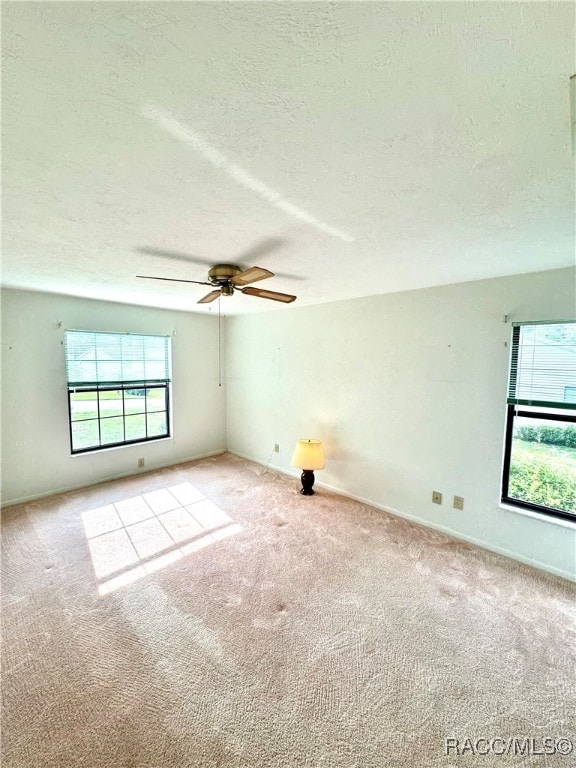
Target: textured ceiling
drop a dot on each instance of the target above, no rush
(352, 148)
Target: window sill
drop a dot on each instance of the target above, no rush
(98, 451)
(563, 523)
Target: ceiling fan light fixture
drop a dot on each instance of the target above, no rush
(227, 290)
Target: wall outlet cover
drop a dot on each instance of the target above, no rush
(436, 497)
(459, 502)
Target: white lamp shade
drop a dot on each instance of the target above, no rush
(308, 454)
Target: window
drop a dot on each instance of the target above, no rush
(118, 389)
(540, 450)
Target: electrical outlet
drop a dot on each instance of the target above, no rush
(459, 503)
(276, 448)
(436, 497)
(140, 462)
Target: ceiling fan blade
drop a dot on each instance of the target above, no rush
(273, 295)
(209, 297)
(251, 275)
(173, 279)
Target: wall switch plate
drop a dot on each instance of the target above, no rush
(459, 502)
(140, 462)
(276, 448)
(436, 497)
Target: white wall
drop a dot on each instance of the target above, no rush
(35, 437)
(407, 391)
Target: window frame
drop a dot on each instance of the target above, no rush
(559, 410)
(75, 384)
(514, 410)
(165, 385)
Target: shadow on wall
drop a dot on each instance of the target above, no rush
(135, 537)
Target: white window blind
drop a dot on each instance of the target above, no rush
(543, 365)
(94, 359)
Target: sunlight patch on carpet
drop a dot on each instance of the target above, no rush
(132, 538)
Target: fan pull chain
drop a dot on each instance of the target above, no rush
(219, 346)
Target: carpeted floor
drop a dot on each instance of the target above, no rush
(208, 615)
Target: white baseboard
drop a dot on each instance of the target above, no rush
(65, 489)
(419, 521)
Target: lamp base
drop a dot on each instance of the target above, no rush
(307, 478)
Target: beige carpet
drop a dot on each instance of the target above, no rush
(209, 615)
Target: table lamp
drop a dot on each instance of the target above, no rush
(308, 456)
